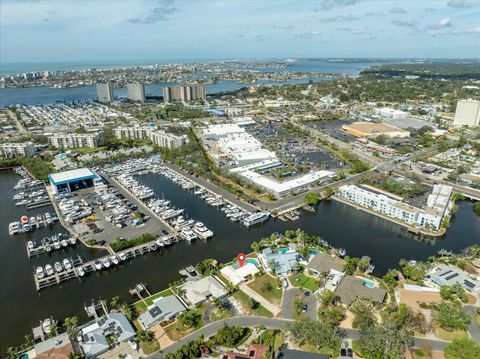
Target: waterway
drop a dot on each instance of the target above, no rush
(21, 307)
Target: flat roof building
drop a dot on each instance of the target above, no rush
(390, 113)
(72, 180)
(74, 140)
(13, 150)
(136, 92)
(371, 129)
(467, 113)
(184, 93)
(105, 92)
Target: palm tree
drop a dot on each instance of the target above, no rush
(53, 329)
(70, 324)
(11, 351)
(115, 302)
(145, 335)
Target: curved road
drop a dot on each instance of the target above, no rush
(269, 323)
(289, 299)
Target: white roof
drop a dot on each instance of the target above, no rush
(71, 175)
(236, 276)
(280, 187)
(202, 289)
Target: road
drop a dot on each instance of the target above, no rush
(269, 323)
(473, 328)
(289, 299)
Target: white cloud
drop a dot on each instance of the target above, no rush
(445, 22)
(475, 30)
(460, 3)
(405, 22)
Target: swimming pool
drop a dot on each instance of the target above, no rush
(368, 283)
(23, 356)
(282, 250)
(253, 261)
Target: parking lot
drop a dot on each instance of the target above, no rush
(114, 215)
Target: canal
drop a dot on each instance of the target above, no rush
(21, 307)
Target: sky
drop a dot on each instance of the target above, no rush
(84, 30)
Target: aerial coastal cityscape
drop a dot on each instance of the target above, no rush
(300, 203)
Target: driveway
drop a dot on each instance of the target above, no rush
(272, 308)
(289, 299)
(270, 323)
(473, 328)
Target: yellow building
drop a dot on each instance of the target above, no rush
(371, 129)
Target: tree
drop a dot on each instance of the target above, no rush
(230, 336)
(328, 191)
(190, 319)
(315, 333)
(129, 310)
(350, 265)
(453, 292)
(332, 315)
(327, 297)
(363, 311)
(462, 349)
(114, 303)
(450, 316)
(476, 208)
(145, 336)
(312, 199)
(384, 341)
(391, 278)
(70, 325)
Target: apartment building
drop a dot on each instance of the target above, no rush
(12, 150)
(136, 92)
(467, 113)
(438, 205)
(74, 140)
(105, 92)
(184, 93)
(158, 137)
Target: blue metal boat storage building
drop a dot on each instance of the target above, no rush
(72, 180)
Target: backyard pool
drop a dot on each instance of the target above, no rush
(368, 283)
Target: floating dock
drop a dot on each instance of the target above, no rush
(89, 266)
(42, 249)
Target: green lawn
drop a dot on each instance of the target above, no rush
(304, 281)
(450, 336)
(163, 293)
(219, 314)
(150, 347)
(243, 298)
(140, 306)
(268, 287)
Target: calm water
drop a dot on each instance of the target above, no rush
(45, 95)
(21, 306)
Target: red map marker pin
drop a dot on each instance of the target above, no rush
(241, 259)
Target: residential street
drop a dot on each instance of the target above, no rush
(473, 328)
(289, 299)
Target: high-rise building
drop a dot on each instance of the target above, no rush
(467, 113)
(11, 150)
(105, 92)
(158, 137)
(184, 93)
(136, 92)
(74, 140)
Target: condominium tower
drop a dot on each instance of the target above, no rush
(467, 113)
(105, 92)
(184, 93)
(136, 92)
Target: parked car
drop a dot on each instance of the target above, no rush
(305, 308)
(284, 282)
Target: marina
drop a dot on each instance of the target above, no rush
(49, 244)
(30, 224)
(67, 298)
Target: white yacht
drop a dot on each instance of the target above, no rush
(58, 267)
(67, 264)
(256, 218)
(106, 262)
(122, 256)
(201, 231)
(30, 245)
(72, 240)
(98, 265)
(189, 235)
(114, 259)
(49, 269)
(40, 273)
(81, 271)
(14, 228)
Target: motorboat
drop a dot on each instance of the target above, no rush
(114, 259)
(30, 245)
(64, 243)
(189, 235)
(97, 264)
(58, 267)
(342, 252)
(67, 264)
(160, 243)
(72, 240)
(49, 270)
(48, 248)
(57, 244)
(26, 227)
(14, 228)
(122, 256)
(106, 262)
(256, 218)
(47, 325)
(39, 272)
(81, 271)
(201, 231)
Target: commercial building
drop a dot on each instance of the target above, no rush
(69, 181)
(390, 113)
(158, 137)
(184, 93)
(467, 113)
(199, 291)
(12, 150)
(371, 129)
(438, 205)
(280, 189)
(96, 338)
(162, 309)
(136, 92)
(74, 140)
(105, 92)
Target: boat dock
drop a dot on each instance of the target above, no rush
(46, 248)
(39, 204)
(87, 267)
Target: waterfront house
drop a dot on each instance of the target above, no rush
(254, 351)
(237, 274)
(281, 262)
(96, 338)
(414, 295)
(351, 288)
(324, 263)
(199, 291)
(162, 309)
(448, 275)
(57, 347)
